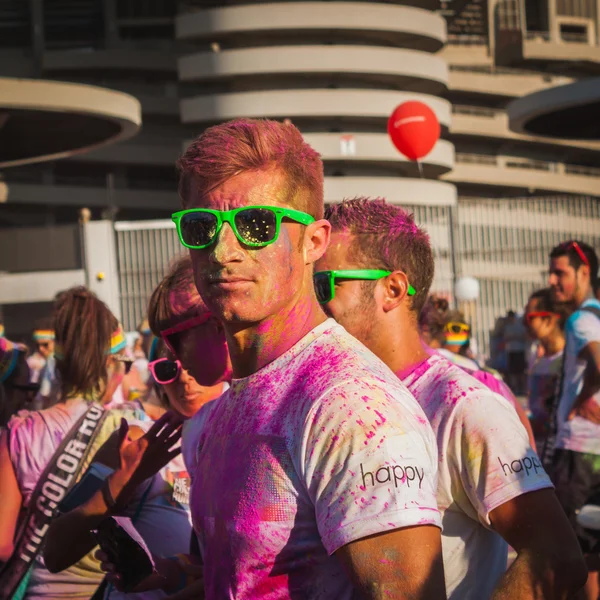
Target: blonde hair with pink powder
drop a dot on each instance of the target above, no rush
(232, 148)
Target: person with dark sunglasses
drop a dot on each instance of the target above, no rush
(573, 278)
(492, 489)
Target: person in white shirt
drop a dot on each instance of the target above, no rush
(374, 279)
(573, 275)
(545, 321)
(316, 472)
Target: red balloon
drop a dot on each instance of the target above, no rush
(414, 129)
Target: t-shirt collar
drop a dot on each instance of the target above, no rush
(282, 361)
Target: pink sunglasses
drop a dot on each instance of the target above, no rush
(181, 327)
(165, 371)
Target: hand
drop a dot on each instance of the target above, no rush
(588, 409)
(156, 581)
(167, 577)
(194, 589)
(142, 458)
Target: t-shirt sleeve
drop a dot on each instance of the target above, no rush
(492, 455)
(369, 463)
(585, 328)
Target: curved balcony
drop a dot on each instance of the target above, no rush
(515, 174)
(568, 111)
(406, 69)
(333, 105)
(47, 120)
(477, 121)
(377, 149)
(396, 190)
(265, 24)
(505, 83)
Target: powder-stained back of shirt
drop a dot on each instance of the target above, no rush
(485, 460)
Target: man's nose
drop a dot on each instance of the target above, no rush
(226, 247)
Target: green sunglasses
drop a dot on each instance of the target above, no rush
(325, 281)
(254, 226)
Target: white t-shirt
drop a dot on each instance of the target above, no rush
(190, 434)
(579, 434)
(542, 382)
(485, 460)
(322, 447)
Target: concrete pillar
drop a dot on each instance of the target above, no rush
(111, 30)
(552, 22)
(37, 34)
(101, 265)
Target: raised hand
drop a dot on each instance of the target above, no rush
(142, 458)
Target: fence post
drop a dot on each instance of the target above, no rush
(452, 220)
(101, 267)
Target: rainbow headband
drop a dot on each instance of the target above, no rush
(1, 330)
(117, 343)
(43, 334)
(457, 339)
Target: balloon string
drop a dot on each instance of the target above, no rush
(420, 166)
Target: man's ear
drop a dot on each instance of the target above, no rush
(316, 240)
(585, 271)
(395, 290)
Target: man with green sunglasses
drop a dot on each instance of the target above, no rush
(492, 488)
(325, 281)
(315, 473)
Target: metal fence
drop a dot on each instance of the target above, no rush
(144, 250)
(504, 243)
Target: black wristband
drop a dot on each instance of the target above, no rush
(107, 496)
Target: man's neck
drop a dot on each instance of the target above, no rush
(588, 294)
(259, 344)
(400, 347)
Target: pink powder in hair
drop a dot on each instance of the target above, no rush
(386, 236)
(228, 149)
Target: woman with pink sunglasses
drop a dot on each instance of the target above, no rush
(189, 358)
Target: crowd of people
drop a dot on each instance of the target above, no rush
(298, 418)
